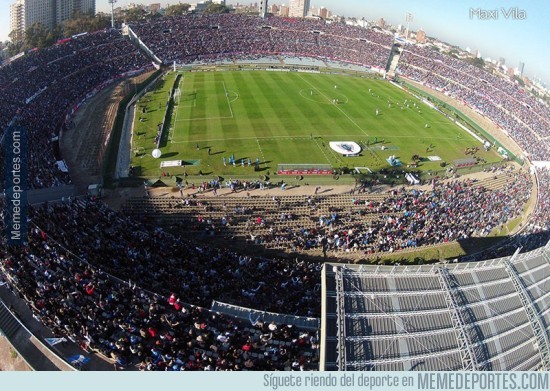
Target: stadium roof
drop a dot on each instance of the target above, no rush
(490, 315)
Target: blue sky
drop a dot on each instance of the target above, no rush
(515, 40)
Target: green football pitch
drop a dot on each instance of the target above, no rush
(289, 118)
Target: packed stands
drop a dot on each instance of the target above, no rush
(211, 38)
(138, 294)
(44, 85)
(137, 329)
(535, 233)
(525, 119)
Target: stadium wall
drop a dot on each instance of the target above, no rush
(111, 161)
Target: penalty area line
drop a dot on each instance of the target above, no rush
(227, 98)
(323, 152)
(261, 150)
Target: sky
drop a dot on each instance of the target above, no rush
(515, 36)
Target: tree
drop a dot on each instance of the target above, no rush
(177, 9)
(214, 8)
(519, 80)
(134, 14)
(15, 36)
(477, 62)
(15, 44)
(81, 23)
(453, 53)
(52, 36)
(15, 47)
(39, 36)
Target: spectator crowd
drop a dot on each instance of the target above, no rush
(137, 329)
(526, 119)
(205, 38)
(139, 294)
(534, 234)
(164, 263)
(404, 218)
(43, 86)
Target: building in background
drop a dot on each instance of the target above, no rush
(17, 20)
(299, 8)
(24, 13)
(421, 36)
(154, 8)
(65, 9)
(284, 10)
(202, 5)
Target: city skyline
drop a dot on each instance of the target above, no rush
(23, 13)
(508, 30)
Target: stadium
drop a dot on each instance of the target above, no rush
(230, 192)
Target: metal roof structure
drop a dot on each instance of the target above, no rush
(491, 315)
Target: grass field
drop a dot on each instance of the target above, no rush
(290, 117)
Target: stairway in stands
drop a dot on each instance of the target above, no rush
(8, 323)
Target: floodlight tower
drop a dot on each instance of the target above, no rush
(408, 19)
(112, 2)
(263, 8)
